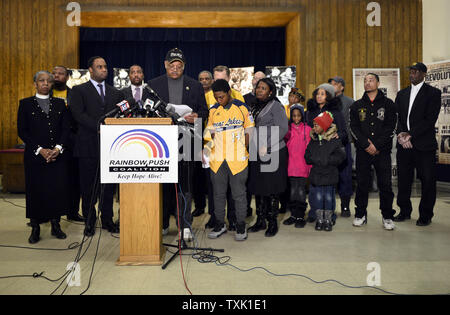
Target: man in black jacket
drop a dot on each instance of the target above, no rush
(418, 109)
(373, 121)
(61, 90)
(88, 103)
(176, 88)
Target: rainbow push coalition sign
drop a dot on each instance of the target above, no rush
(139, 154)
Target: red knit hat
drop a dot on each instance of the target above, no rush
(324, 120)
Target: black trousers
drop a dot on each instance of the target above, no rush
(89, 177)
(425, 164)
(185, 192)
(297, 196)
(383, 169)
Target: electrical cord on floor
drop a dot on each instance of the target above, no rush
(179, 237)
(10, 202)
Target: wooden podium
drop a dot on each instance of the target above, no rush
(140, 213)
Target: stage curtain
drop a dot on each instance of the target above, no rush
(204, 48)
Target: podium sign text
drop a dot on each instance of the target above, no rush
(138, 154)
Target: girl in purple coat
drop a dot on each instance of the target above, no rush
(297, 139)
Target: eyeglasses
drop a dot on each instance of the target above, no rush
(177, 68)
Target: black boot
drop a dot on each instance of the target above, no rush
(260, 219)
(294, 206)
(345, 207)
(320, 220)
(35, 232)
(272, 215)
(328, 225)
(56, 230)
(300, 211)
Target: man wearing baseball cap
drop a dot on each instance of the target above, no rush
(418, 109)
(176, 88)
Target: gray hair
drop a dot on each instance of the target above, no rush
(42, 72)
(206, 71)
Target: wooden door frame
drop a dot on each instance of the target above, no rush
(203, 19)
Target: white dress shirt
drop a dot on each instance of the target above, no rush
(414, 91)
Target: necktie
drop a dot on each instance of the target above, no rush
(101, 92)
(137, 95)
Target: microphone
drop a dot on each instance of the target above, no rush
(135, 107)
(151, 91)
(171, 112)
(120, 107)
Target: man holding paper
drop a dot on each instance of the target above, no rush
(178, 89)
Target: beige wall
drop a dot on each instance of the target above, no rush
(436, 34)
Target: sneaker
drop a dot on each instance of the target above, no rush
(218, 231)
(187, 234)
(388, 224)
(360, 221)
(241, 232)
(289, 221)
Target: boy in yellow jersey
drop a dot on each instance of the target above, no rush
(227, 135)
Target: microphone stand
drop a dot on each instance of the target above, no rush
(181, 242)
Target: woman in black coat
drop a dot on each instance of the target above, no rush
(43, 124)
(331, 104)
(268, 155)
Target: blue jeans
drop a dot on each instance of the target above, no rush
(322, 198)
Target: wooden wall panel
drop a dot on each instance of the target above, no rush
(334, 38)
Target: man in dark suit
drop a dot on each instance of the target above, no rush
(61, 90)
(176, 88)
(137, 88)
(88, 102)
(418, 109)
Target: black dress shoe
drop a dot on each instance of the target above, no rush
(423, 222)
(110, 226)
(198, 212)
(57, 232)
(89, 230)
(76, 218)
(345, 213)
(272, 229)
(402, 217)
(34, 237)
(300, 223)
